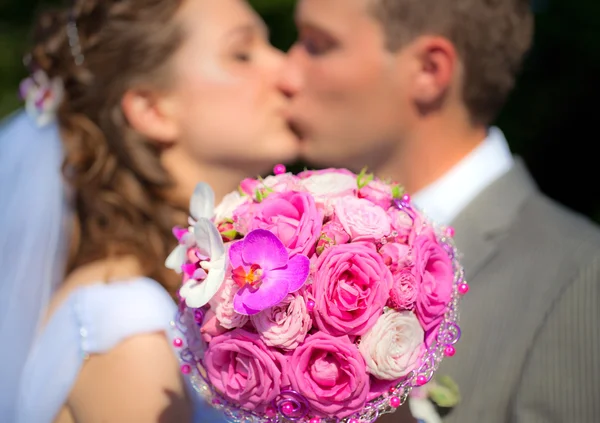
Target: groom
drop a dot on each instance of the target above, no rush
(409, 88)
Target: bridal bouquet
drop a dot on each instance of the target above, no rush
(319, 297)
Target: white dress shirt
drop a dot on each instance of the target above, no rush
(445, 198)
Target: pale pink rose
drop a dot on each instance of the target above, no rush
(291, 216)
(283, 182)
(243, 217)
(361, 219)
(243, 369)
(284, 326)
(378, 193)
(330, 373)
(332, 234)
(222, 305)
(435, 277)
(394, 346)
(308, 173)
(407, 224)
(211, 327)
(227, 206)
(326, 186)
(404, 288)
(351, 286)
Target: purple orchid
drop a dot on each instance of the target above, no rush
(264, 271)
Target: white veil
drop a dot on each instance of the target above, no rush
(34, 230)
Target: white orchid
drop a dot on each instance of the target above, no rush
(208, 274)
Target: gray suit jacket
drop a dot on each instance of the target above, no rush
(530, 350)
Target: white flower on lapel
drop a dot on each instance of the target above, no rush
(206, 272)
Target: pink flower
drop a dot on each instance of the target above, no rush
(404, 288)
(407, 223)
(330, 373)
(378, 193)
(243, 369)
(332, 234)
(211, 326)
(308, 173)
(351, 286)
(327, 185)
(361, 219)
(284, 326)
(293, 217)
(393, 347)
(222, 305)
(262, 268)
(435, 277)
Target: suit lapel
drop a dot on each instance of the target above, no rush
(480, 226)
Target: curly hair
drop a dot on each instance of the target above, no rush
(115, 173)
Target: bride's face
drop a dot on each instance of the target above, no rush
(228, 107)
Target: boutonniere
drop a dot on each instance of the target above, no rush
(430, 403)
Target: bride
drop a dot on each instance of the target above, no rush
(149, 97)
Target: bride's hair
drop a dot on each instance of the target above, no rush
(100, 49)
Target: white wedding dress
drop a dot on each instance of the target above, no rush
(92, 320)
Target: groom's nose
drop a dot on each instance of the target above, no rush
(290, 78)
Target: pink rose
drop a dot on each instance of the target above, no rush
(404, 288)
(291, 216)
(361, 219)
(331, 374)
(407, 224)
(351, 286)
(285, 325)
(211, 327)
(327, 185)
(308, 173)
(435, 277)
(222, 305)
(243, 369)
(393, 347)
(249, 186)
(378, 193)
(332, 234)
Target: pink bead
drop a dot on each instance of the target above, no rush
(279, 169)
(186, 369)
(287, 408)
(177, 342)
(406, 198)
(310, 305)
(450, 232)
(463, 288)
(450, 351)
(395, 402)
(392, 390)
(271, 412)
(315, 420)
(421, 380)
(353, 421)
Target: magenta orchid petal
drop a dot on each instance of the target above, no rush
(271, 292)
(235, 254)
(265, 249)
(296, 272)
(241, 308)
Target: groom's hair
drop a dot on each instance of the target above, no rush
(490, 36)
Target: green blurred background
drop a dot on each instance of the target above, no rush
(549, 120)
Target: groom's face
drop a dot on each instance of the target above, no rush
(347, 89)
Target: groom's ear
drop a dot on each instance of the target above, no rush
(151, 113)
(434, 69)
